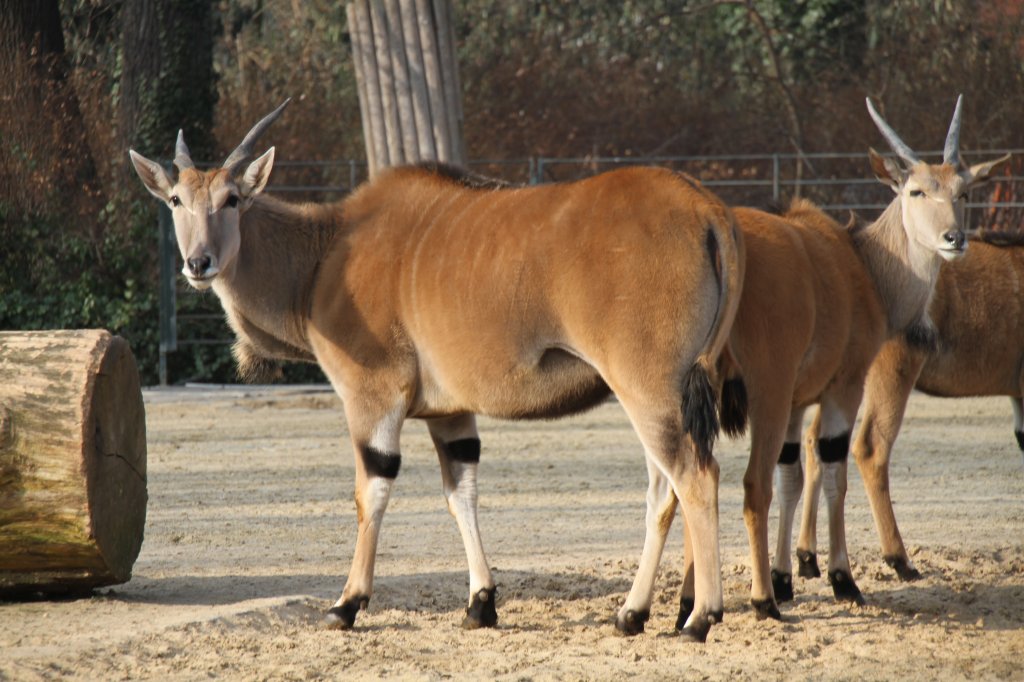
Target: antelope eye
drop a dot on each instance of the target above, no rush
(916, 193)
(232, 201)
(175, 201)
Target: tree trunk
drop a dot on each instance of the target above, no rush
(407, 75)
(167, 78)
(46, 166)
(72, 461)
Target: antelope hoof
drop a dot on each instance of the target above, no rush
(766, 608)
(808, 562)
(904, 570)
(844, 588)
(632, 622)
(697, 630)
(344, 617)
(685, 609)
(481, 612)
(782, 585)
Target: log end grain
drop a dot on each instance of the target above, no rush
(72, 462)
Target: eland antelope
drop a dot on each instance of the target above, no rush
(818, 302)
(425, 295)
(979, 323)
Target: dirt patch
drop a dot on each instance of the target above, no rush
(251, 526)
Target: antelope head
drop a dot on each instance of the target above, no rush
(206, 205)
(932, 196)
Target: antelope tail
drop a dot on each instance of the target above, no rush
(700, 402)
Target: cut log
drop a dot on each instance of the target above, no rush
(72, 461)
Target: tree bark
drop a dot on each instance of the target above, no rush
(72, 461)
(46, 166)
(167, 78)
(407, 74)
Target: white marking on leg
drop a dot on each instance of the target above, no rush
(373, 494)
(835, 423)
(386, 434)
(462, 504)
(789, 482)
(833, 482)
(459, 483)
(661, 508)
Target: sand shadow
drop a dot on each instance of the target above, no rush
(432, 592)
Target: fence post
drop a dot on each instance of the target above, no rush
(537, 175)
(168, 302)
(776, 193)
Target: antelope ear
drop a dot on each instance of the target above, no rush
(980, 173)
(256, 176)
(887, 171)
(153, 176)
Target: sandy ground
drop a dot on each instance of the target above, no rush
(251, 526)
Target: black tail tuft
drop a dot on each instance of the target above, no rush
(700, 416)
(734, 407)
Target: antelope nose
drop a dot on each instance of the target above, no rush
(955, 238)
(199, 266)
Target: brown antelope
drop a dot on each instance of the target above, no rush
(818, 302)
(979, 324)
(421, 295)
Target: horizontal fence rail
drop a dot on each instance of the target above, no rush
(838, 182)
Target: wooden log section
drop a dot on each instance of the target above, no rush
(72, 461)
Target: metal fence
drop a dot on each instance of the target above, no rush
(838, 182)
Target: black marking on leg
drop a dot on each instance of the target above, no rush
(844, 588)
(482, 612)
(834, 449)
(922, 336)
(782, 586)
(790, 453)
(697, 630)
(381, 464)
(808, 564)
(465, 450)
(632, 622)
(734, 408)
(765, 608)
(904, 570)
(685, 609)
(1020, 439)
(344, 617)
